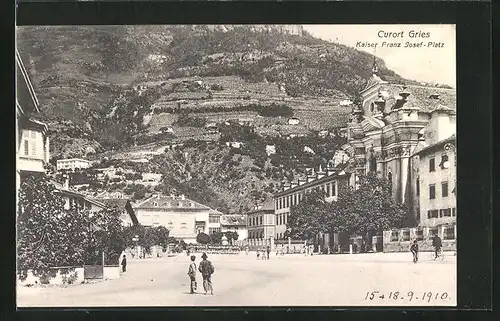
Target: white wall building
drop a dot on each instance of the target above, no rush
(72, 164)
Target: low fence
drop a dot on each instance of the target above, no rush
(401, 239)
(229, 249)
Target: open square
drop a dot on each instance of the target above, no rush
(290, 280)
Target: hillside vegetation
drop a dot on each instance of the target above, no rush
(106, 90)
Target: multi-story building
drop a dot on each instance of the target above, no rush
(32, 142)
(235, 223)
(72, 164)
(261, 221)
(184, 218)
(391, 126)
(328, 181)
(214, 217)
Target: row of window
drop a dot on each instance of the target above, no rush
(446, 212)
(255, 220)
(256, 234)
(179, 204)
(282, 219)
(432, 190)
(212, 230)
(432, 162)
(214, 219)
(330, 189)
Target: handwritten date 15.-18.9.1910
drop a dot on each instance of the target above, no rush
(408, 296)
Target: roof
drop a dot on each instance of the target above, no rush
(170, 202)
(215, 212)
(73, 159)
(266, 206)
(429, 148)
(420, 97)
(373, 81)
(339, 172)
(120, 203)
(233, 220)
(26, 95)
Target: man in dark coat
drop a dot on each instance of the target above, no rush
(124, 263)
(436, 242)
(207, 269)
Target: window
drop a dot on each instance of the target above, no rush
(294, 199)
(276, 220)
(433, 214)
(261, 221)
(334, 188)
(26, 148)
(155, 204)
(394, 236)
(389, 178)
(419, 235)
(328, 190)
(447, 212)
(449, 233)
(33, 133)
(276, 204)
(287, 201)
(432, 232)
(281, 202)
(281, 219)
(432, 165)
(444, 189)
(453, 212)
(418, 186)
(432, 191)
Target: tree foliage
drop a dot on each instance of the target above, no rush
(203, 238)
(47, 234)
(308, 217)
(370, 209)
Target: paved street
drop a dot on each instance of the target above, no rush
(294, 280)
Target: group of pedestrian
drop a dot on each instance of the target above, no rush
(436, 243)
(265, 253)
(206, 269)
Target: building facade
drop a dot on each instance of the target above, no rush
(235, 223)
(329, 181)
(214, 218)
(32, 142)
(184, 218)
(72, 164)
(261, 222)
(398, 131)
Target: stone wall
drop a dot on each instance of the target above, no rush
(64, 275)
(400, 240)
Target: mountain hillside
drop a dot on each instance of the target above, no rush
(118, 91)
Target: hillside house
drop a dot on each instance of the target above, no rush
(184, 218)
(214, 221)
(235, 223)
(72, 164)
(293, 121)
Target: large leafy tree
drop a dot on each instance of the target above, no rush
(47, 234)
(203, 238)
(368, 210)
(308, 218)
(105, 236)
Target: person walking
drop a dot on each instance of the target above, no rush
(124, 263)
(437, 244)
(414, 251)
(268, 250)
(207, 269)
(192, 275)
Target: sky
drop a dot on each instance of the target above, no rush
(425, 64)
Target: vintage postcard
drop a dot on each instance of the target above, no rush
(236, 165)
